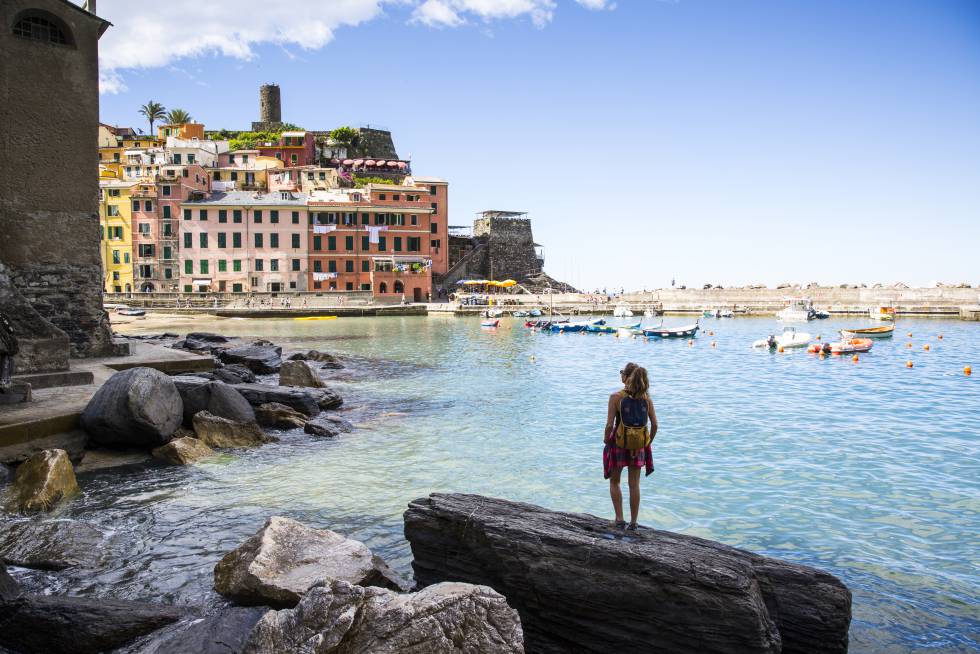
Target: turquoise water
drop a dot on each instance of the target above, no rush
(869, 470)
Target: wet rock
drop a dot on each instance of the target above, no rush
(235, 373)
(73, 442)
(203, 342)
(335, 423)
(9, 589)
(581, 586)
(6, 474)
(208, 337)
(276, 565)
(215, 431)
(304, 400)
(184, 451)
(329, 399)
(139, 407)
(40, 483)
(224, 632)
(339, 618)
(328, 360)
(322, 428)
(49, 545)
(216, 397)
(299, 373)
(260, 359)
(274, 414)
(44, 625)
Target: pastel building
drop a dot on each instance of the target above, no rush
(293, 149)
(438, 199)
(243, 170)
(195, 151)
(239, 241)
(116, 234)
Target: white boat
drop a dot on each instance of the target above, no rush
(622, 311)
(882, 313)
(798, 310)
(792, 338)
(493, 313)
(725, 313)
(649, 313)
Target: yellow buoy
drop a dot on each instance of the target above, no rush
(908, 364)
(968, 370)
(926, 347)
(854, 358)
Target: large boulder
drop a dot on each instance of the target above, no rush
(207, 337)
(216, 397)
(299, 373)
(278, 563)
(260, 359)
(223, 632)
(234, 373)
(202, 342)
(308, 401)
(321, 428)
(139, 407)
(49, 545)
(581, 586)
(215, 431)
(339, 618)
(331, 424)
(326, 359)
(43, 624)
(274, 414)
(184, 451)
(40, 483)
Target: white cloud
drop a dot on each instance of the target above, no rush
(151, 35)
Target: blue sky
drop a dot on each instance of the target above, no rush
(711, 141)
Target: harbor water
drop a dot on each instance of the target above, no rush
(867, 469)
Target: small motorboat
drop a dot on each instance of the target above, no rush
(768, 342)
(820, 314)
(622, 311)
(493, 313)
(687, 331)
(131, 312)
(610, 329)
(534, 313)
(576, 326)
(882, 313)
(791, 338)
(798, 310)
(724, 313)
(885, 331)
(489, 323)
(709, 313)
(520, 314)
(649, 313)
(850, 346)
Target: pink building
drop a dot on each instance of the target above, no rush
(293, 149)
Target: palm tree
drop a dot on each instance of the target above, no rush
(178, 117)
(153, 111)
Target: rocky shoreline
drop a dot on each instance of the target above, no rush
(488, 573)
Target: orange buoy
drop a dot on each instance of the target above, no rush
(854, 358)
(910, 334)
(908, 345)
(822, 355)
(714, 343)
(908, 364)
(818, 337)
(968, 370)
(926, 347)
(690, 342)
(940, 337)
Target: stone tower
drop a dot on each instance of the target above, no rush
(270, 106)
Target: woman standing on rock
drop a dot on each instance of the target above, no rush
(628, 439)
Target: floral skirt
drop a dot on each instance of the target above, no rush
(619, 457)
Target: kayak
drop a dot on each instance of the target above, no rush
(868, 332)
(316, 318)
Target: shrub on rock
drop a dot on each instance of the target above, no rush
(337, 617)
(215, 431)
(41, 482)
(276, 565)
(139, 407)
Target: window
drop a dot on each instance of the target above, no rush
(274, 265)
(188, 267)
(217, 175)
(434, 228)
(187, 214)
(435, 243)
(434, 207)
(293, 159)
(125, 257)
(234, 175)
(176, 158)
(295, 242)
(136, 205)
(259, 265)
(432, 190)
(414, 244)
(190, 157)
(274, 216)
(144, 229)
(145, 249)
(365, 266)
(203, 214)
(317, 243)
(295, 217)
(396, 197)
(236, 288)
(365, 218)
(398, 243)
(399, 287)
(382, 196)
(37, 27)
(115, 256)
(366, 286)
(365, 243)
(292, 284)
(168, 252)
(317, 266)
(331, 243)
(115, 277)
(382, 243)
(295, 265)
(349, 265)
(258, 240)
(222, 265)
(257, 216)
(236, 240)
(348, 243)
(222, 215)
(331, 266)
(317, 284)
(204, 266)
(167, 228)
(112, 210)
(415, 219)
(236, 215)
(166, 210)
(274, 240)
(147, 205)
(222, 240)
(236, 265)
(168, 273)
(379, 219)
(166, 191)
(188, 243)
(188, 288)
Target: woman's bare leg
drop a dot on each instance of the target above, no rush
(616, 493)
(634, 482)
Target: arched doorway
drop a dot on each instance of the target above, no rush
(383, 288)
(147, 287)
(129, 288)
(399, 287)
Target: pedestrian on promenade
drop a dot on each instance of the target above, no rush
(628, 439)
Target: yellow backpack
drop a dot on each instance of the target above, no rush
(633, 432)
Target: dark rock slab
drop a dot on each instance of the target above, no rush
(274, 414)
(304, 400)
(73, 442)
(216, 397)
(234, 373)
(334, 423)
(321, 428)
(328, 361)
(139, 407)
(9, 589)
(224, 632)
(215, 431)
(582, 586)
(208, 337)
(260, 359)
(50, 544)
(34, 624)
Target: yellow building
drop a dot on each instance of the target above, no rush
(116, 234)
